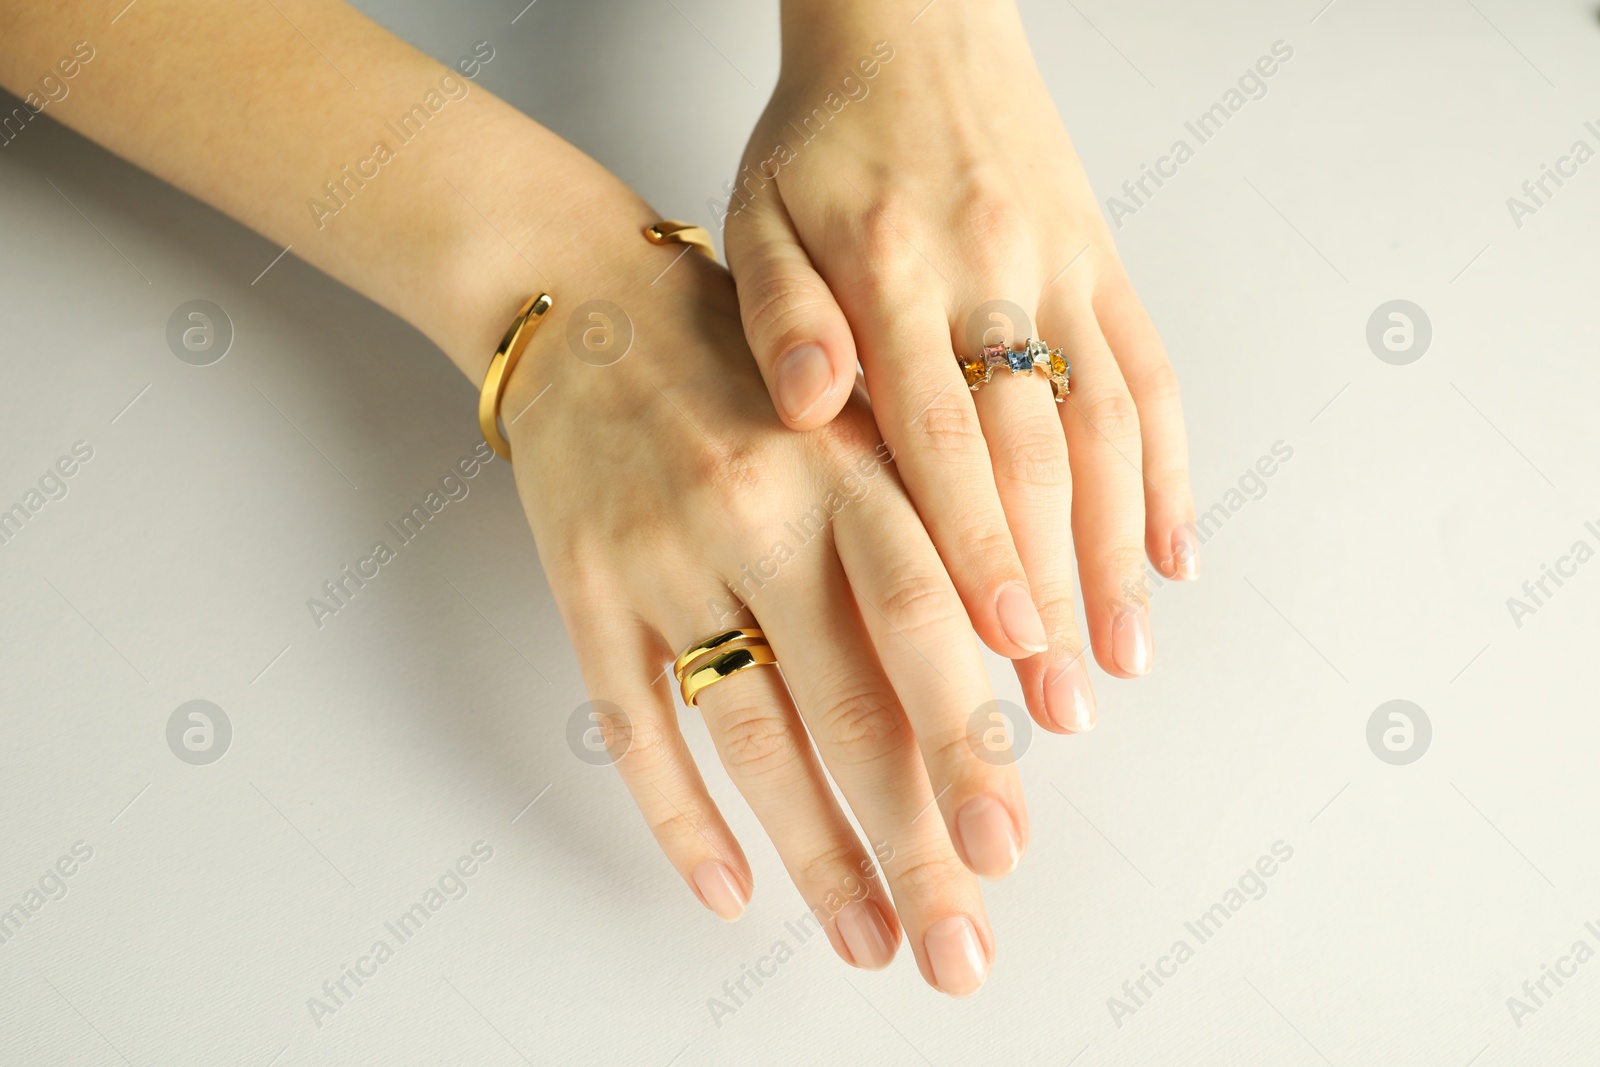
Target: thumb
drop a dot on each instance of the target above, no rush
(800, 338)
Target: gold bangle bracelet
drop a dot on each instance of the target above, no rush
(711, 644)
(500, 368)
(673, 232)
(665, 232)
(723, 666)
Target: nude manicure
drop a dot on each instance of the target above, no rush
(1132, 644)
(956, 956)
(720, 890)
(1068, 697)
(1019, 619)
(865, 934)
(988, 836)
(803, 376)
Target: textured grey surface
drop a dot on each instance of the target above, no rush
(368, 756)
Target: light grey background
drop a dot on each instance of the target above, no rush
(368, 756)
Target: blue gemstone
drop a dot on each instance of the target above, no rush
(1021, 361)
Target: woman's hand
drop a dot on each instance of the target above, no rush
(909, 194)
(665, 496)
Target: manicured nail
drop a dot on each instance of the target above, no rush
(956, 956)
(1185, 554)
(1019, 619)
(988, 836)
(1131, 641)
(1068, 699)
(804, 375)
(720, 890)
(865, 934)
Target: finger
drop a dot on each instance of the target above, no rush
(764, 746)
(927, 416)
(915, 619)
(1170, 537)
(799, 336)
(1102, 426)
(619, 658)
(1033, 473)
(867, 743)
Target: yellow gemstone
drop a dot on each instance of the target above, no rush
(974, 370)
(1058, 364)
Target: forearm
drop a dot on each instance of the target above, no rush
(309, 123)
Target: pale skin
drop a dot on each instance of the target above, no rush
(947, 183)
(651, 485)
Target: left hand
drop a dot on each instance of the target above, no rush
(910, 189)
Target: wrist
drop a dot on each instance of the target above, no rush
(532, 215)
(839, 28)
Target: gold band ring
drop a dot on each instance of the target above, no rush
(500, 368)
(711, 644)
(725, 665)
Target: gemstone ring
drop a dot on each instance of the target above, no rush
(1031, 356)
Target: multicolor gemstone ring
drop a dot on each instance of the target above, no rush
(1031, 356)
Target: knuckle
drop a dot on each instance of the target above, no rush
(927, 877)
(915, 601)
(757, 741)
(948, 425)
(886, 246)
(831, 867)
(1112, 414)
(675, 828)
(1035, 456)
(777, 304)
(1160, 382)
(647, 743)
(861, 726)
(993, 221)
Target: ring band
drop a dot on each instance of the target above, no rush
(500, 368)
(725, 665)
(711, 644)
(1031, 356)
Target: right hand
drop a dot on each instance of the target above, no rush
(669, 502)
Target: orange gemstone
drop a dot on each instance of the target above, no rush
(1058, 364)
(975, 371)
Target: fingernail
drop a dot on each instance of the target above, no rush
(1185, 554)
(956, 956)
(1019, 619)
(803, 377)
(865, 934)
(988, 836)
(1068, 699)
(1131, 640)
(720, 890)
